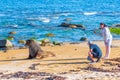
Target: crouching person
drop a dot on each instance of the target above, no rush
(95, 52)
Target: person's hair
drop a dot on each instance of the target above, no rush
(103, 24)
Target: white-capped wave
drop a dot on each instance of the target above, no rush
(45, 20)
(42, 19)
(89, 13)
(65, 14)
(14, 25)
(33, 18)
(55, 17)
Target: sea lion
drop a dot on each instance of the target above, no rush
(35, 50)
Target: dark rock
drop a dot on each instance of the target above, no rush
(56, 43)
(72, 25)
(65, 25)
(12, 32)
(5, 44)
(116, 25)
(83, 39)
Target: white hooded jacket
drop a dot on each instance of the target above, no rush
(106, 34)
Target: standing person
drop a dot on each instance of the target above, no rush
(95, 52)
(107, 39)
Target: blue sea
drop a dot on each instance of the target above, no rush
(35, 18)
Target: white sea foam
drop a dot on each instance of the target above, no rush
(89, 13)
(33, 18)
(42, 19)
(55, 17)
(66, 14)
(45, 20)
(14, 26)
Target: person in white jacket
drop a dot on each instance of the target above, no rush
(107, 39)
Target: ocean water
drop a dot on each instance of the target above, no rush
(35, 18)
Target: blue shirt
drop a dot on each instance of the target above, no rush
(96, 50)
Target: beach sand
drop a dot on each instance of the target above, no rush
(69, 64)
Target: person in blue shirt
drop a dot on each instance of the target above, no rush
(95, 52)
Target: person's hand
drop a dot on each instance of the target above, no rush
(106, 42)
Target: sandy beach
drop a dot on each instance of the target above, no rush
(69, 64)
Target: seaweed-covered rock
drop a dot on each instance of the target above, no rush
(22, 41)
(115, 30)
(49, 35)
(56, 43)
(83, 39)
(45, 41)
(10, 38)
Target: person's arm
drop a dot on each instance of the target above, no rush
(97, 32)
(98, 60)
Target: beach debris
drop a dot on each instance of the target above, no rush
(55, 78)
(50, 35)
(32, 75)
(83, 39)
(72, 25)
(5, 44)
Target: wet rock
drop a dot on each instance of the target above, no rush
(116, 25)
(72, 25)
(12, 32)
(83, 39)
(56, 43)
(45, 41)
(22, 41)
(49, 35)
(10, 38)
(5, 44)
